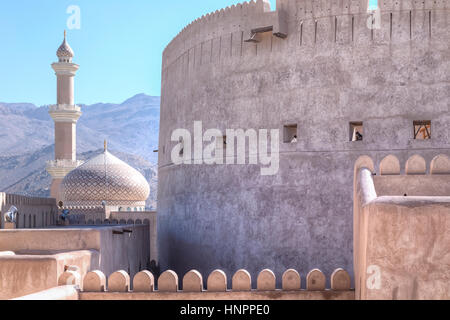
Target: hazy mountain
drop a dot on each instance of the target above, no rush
(130, 127)
(27, 141)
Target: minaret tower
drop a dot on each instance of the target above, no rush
(65, 114)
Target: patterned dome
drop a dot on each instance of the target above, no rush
(64, 50)
(104, 178)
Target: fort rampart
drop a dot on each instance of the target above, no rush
(319, 67)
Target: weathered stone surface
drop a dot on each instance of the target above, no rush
(69, 277)
(340, 280)
(416, 165)
(217, 281)
(266, 280)
(291, 280)
(193, 281)
(119, 281)
(315, 280)
(94, 281)
(321, 82)
(440, 165)
(168, 281)
(242, 281)
(390, 165)
(143, 281)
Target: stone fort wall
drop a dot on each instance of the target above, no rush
(330, 70)
(33, 212)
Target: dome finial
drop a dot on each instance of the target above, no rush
(65, 52)
(105, 145)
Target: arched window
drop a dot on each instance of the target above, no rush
(120, 209)
(128, 209)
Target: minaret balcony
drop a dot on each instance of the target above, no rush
(65, 113)
(60, 168)
(64, 107)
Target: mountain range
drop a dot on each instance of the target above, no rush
(27, 141)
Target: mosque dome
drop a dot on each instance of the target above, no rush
(105, 178)
(64, 50)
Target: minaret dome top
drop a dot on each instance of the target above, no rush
(65, 52)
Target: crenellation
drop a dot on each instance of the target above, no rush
(416, 164)
(119, 281)
(168, 281)
(406, 24)
(143, 281)
(217, 281)
(340, 280)
(193, 281)
(266, 280)
(242, 281)
(94, 281)
(315, 280)
(390, 165)
(291, 280)
(440, 165)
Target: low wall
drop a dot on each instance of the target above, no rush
(407, 249)
(33, 212)
(120, 286)
(148, 218)
(23, 274)
(100, 216)
(56, 293)
(401, 239)
(40, 255)
(229, 295)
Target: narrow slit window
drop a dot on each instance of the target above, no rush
(422, 130)
(290, 133)
(181, 153)
(356, 131)
(221, 142)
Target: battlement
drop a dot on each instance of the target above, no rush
(308, 22)
(401, 220)
(33, 212)
(96, 285)
(414, 165)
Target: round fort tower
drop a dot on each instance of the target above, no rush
(345, 81)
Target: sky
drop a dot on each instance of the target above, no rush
(118, 46)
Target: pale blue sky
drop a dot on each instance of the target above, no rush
(118, 47)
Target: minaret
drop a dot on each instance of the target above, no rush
(65, 114)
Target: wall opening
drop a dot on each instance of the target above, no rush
(290, 133)
(221, 142)
(373, 5)
(356, 131)
(422, 129)
(181, 153)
